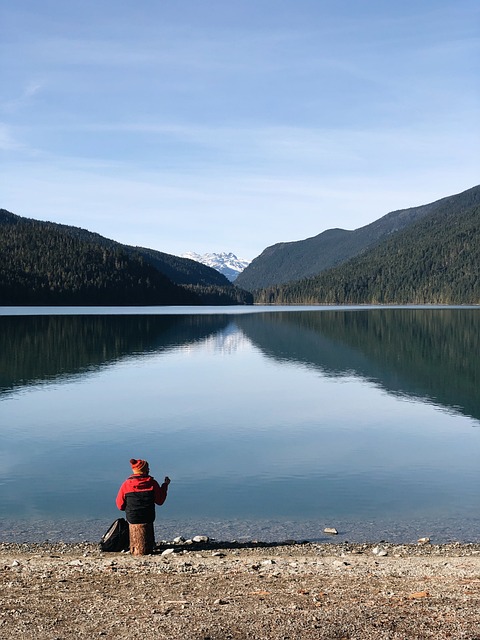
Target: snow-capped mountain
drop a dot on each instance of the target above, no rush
(226, 263)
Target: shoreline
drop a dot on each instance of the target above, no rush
(440, 530)
(423, 547)
(242, 591)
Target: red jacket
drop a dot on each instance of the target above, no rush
(138, 496)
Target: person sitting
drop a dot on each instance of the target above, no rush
(140, 492)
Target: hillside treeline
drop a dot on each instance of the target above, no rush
(434, 261)
(292, 261)
(46, 264)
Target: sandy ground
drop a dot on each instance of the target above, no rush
(220, 591)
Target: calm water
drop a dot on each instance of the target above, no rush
(272, 424)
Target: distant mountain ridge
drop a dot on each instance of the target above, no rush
(49, 263)
(423, 255)
(291, 261)
(225, 263)
(435, 260)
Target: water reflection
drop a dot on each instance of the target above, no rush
(47, 348)
(429, 354)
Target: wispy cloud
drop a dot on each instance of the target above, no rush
(279, 149)
(24, 99)
(8, 141)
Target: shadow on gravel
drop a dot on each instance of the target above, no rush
(214, 545)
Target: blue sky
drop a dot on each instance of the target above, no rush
(212, 125)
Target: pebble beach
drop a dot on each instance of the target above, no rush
(213, 590)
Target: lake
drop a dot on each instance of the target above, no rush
(273, 423)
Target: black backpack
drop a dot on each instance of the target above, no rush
(117, 537)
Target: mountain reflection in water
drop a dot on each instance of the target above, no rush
(36, 349)
(423, 353)
(430, 354)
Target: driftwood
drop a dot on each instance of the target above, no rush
(142, 539)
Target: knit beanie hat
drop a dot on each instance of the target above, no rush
(139, 466)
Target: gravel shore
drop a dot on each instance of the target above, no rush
(220, 591)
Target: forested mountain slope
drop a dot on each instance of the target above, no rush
(290, 261)
(435, 260)
(48, 263)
